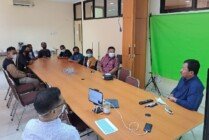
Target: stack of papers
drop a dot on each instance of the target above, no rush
(106, 126)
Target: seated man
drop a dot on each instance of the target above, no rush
(77, 56)
(189, 91)
(89, 60)
(23, 60)
(44, 52)
(48, 105)
(109, 63)
(65, 53)
(18, 76)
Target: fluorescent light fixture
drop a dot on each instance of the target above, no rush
(112, 3)
(187, 1)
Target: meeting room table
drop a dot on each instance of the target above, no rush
(74, 88)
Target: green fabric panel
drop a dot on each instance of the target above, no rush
(175, 38)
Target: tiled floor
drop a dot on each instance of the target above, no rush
(8, 128)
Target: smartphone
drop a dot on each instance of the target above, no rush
(148, 127)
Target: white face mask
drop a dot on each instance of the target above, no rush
(14, 56)
(111, 55)
(89, 55)
(63, 50)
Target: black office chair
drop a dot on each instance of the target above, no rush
(119, 56)
(71, 118)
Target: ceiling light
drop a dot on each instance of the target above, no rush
(187, 1)
(112, 3)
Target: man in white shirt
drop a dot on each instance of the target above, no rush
(49, 104)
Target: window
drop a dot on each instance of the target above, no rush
(121, 7)
(183, 5)
(77, 11)
(112, 8)
(177, 4)
(88, 9)
(202, 3)
(99, 9)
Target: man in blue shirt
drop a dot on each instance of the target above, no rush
(189, 91)
(77, 56)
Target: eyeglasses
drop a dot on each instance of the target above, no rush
(62, 104)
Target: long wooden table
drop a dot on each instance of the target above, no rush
(75, 87)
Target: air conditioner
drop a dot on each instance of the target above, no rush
(23, 3)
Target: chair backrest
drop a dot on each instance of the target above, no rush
(6, 75)
(119, 56)
(85, 61)
(133, 81)
(123, 74)
(97, 65)
(13, 88)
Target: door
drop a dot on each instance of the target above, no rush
(78, 34)
(135, 38)
(128, 34)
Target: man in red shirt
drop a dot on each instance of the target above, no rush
(109, 63)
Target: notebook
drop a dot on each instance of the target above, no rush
(106, 126)
(113, 102)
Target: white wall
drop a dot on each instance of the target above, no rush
(47, 21)
(154, 7)
(106, 32)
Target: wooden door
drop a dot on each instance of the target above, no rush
(135, 37)
(141, 16)
(128, 33)
(140, 50)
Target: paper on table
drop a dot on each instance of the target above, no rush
(159, 100)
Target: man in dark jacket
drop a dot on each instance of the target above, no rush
(44, 52)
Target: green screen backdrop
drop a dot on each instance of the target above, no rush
(175, 38)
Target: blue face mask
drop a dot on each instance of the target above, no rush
(89, 55)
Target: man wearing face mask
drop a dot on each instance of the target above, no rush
(109, 63)
(77, 57)
(18, 76)
(44, 52)
(49, 106)
(89, 60)
(65, 53)
(23, 60)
